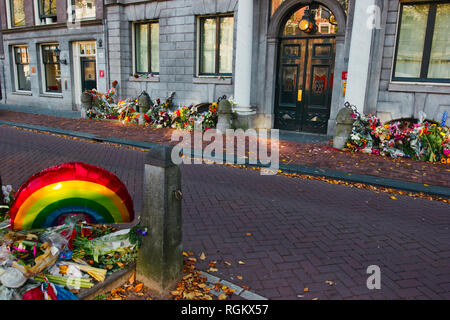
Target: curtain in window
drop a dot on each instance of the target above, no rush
(154, 38)
(48, 7)
(226, 45)
(439, 67)
(18, 13)
(208, 45)
(411, 41)
(142, 48)
(22, 68)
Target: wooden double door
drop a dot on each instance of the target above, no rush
(304, 84)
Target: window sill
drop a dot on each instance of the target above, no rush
(22, 93)
(51, 95)
(40, 27)
(419, 87)
(212, 80)
(150, 79)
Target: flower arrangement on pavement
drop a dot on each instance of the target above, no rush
(420, 140)
(159, 115)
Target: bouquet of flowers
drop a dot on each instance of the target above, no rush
(184, 118)
(209, 118)
(158, 115)
(125, 110)
(420, 140)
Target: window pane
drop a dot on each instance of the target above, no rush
(53, 77)
(23, 77)
(49, 55)
(22, 68)
(440, 51)
(142, 48)
(226, 45)
(411, 41)
(48, 7)
(155, 47)
(84, 9)
(208, 46)
(51, 68)
(18, 13)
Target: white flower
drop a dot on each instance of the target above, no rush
(6, 190)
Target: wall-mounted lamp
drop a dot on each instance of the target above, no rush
(58, 53)
(100, 43)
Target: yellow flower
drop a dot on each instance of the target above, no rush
(386, 126)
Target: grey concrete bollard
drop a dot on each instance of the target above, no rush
(160, 259)
(144, 103)
(224, 116)
(344, 126)
(86, 104)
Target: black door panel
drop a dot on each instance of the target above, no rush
(304, 84)
(88, 74)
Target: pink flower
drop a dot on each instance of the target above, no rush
(446, 152)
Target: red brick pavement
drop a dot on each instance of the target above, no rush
(319, 156)
(303, 232)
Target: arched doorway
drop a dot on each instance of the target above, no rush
(305, 68)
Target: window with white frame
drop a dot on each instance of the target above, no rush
(51, 68)
(22, 68)
(423, 42)
(17, 13)
(82, 9)
(146, 47)
(216, 45)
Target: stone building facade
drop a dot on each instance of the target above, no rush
(80, 41)
(252, 50)
(391, 97)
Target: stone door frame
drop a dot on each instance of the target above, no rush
(277, 21)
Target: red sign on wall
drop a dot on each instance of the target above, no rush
(101, 73)
(344, 75)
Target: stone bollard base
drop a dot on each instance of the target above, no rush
(157, 289)
(160, 260)
(339, 142)
(83, 113)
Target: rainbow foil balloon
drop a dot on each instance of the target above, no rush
(71, 188)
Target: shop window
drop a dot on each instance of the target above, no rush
(51, 68)
(83, 9)
(146, 47)
(423, 43)
(216, 45)
(17, 13)
(22, 68)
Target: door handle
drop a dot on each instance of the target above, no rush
(300, 95)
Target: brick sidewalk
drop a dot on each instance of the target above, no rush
(313, 155)
(302, 232)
